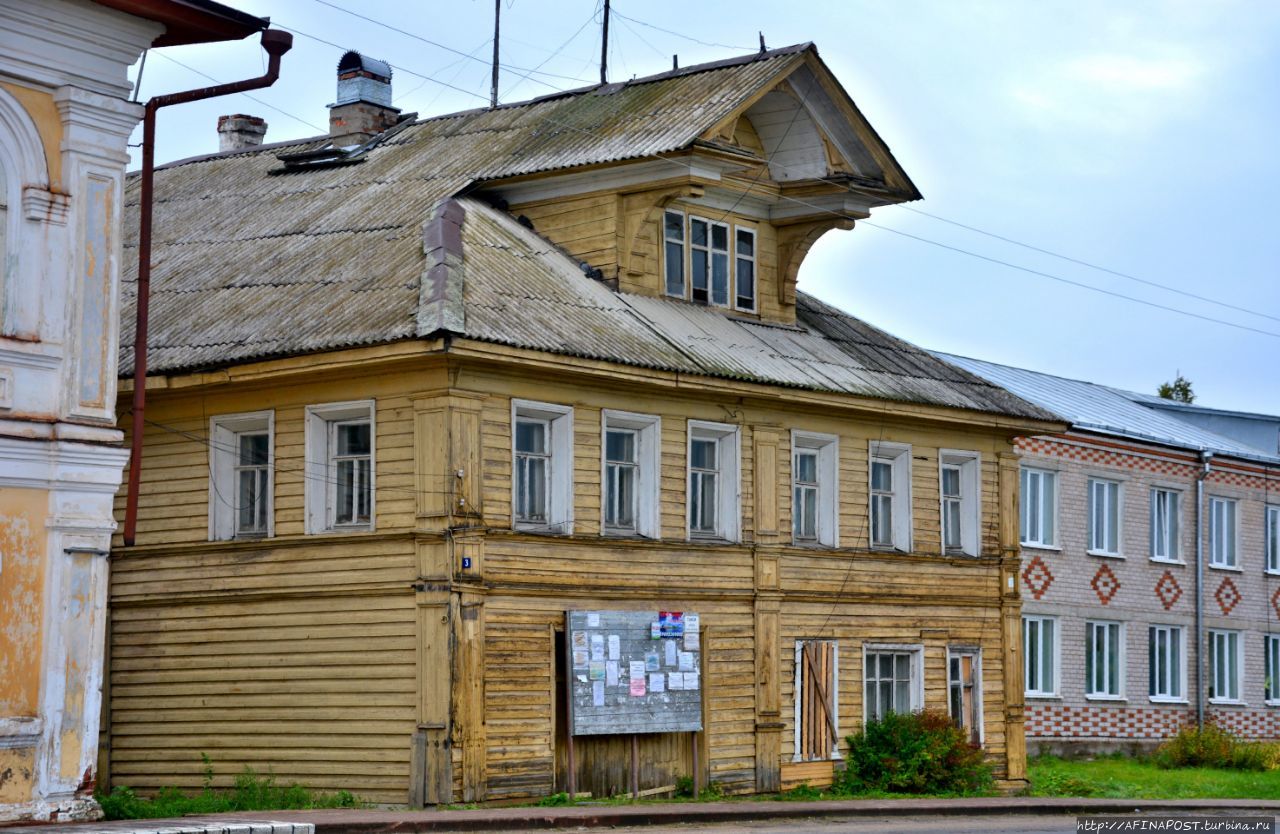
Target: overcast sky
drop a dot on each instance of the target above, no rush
(1140, 137)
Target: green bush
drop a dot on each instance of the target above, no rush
(1212, 746)
(922, 752)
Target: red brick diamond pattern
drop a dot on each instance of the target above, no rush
(1227, 595)
(1037, 577)
(1105, 584)
(1168, 591)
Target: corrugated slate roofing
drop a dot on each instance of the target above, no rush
(249, 263)
(1103, 410)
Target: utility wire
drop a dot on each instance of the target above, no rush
(554, 52)
(614, 10)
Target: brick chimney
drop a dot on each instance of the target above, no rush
(237, 132)
(363, 109)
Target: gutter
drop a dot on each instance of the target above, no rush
(1206, 459)
(276, 43)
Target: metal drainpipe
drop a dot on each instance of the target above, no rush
(276, 43)
(1205, 458)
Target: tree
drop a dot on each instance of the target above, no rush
(1179, 390)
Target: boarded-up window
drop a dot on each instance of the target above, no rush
(816, 706)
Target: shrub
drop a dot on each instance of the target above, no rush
(921, 752)
(555, 800)
(803, 792)
(1212, 746)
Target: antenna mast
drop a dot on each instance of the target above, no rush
(497, 20)
(604, 47)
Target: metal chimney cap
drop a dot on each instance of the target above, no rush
(353, 61)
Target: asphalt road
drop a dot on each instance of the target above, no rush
(973, 824)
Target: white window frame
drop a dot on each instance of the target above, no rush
(1271, 533)
(729, 488)
(1231, 540)
(1225, 636)
(1181, 656)
(1119, 662)
(827, 448)
(1044, 542)
(1271, 669)
(755, 267)
(898, 455)
(684, 253)
(956, 652)
(224, 451)
(1170, 537)
(1055, 654)
(916, 681)
(969, 465)
(1098, 544)
(648, 430)
(798, 691)
(320, 479)
(559, 421)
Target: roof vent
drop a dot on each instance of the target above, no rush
(363, 108)
(239, 132)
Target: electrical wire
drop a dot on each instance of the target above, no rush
(208, 77)
(554, 52)
(713, 44)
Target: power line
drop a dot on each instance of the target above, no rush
(683, 36)
(1084, 263)
(208, 77)
(554, 52)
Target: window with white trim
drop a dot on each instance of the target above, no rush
(1039, 507)
(1104, 660)
(241, 480)
(817, 700)
(1104, 517)
(1225, 666)
(709, 261)
(1222, 533)
(890, 495)
(630, 446)
(814, 467)
(1273, 539)
(1165, 546)
(713, 498)
(1040, 655)
(541, 467)
(1271, 651)
(1166, 663)
(339, 491)
(959, 478)
(893, 680)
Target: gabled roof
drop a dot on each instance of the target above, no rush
(1103, 410)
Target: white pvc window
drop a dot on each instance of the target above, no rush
(1040, 655)
(959, 479)
(630, 459)
(1104, 659)
(713, 466)
(1166, 662)
(1273, 539)
(1222, 533)
(890, 482)
(814, 468)
(241, 480)
(1039, 507)
(541, 467)
(1224, 666)
(1164, 525)
(1271, 646)
(892, 681)
(340, 470)
(1104, 517)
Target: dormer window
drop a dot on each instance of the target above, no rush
(708, 261)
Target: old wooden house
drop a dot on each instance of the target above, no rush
(422, 386)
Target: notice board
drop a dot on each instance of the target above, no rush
(634, 672)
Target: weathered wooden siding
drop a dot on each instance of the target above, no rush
(585, 227)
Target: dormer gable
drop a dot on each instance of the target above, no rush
(771, 162)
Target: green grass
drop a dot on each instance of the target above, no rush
(1122, 777)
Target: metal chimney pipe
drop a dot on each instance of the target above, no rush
(276, 43)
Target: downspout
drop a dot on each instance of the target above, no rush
(1205, 462)
(276, 43)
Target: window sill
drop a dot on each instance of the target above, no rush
(813, 544)
(360, 528)
(1227, 568)
(626, 534)
(1272, 703)
(1271, 572)
(1177, 562)
(1036, 696)
(710, 539)
(1030, 546)
(539, 529)
(1114, 699)
(1225, 702)
(1104, 554)
(1156, 699)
